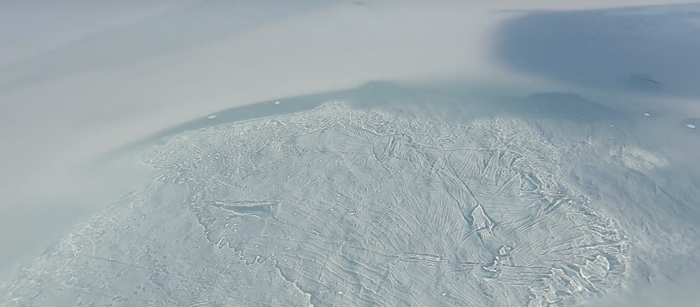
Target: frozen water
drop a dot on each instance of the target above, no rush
(510, 186)
(341, 207)
(370, 202)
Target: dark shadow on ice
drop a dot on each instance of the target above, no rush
(651, 50)
(371, 94)
(191, 26)
(446, 102)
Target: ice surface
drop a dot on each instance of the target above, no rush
(340, 207)
(548, 199)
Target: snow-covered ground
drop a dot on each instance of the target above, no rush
(206, 153)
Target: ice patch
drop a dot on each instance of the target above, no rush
(340, 207)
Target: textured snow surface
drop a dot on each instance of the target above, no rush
(341, 207)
